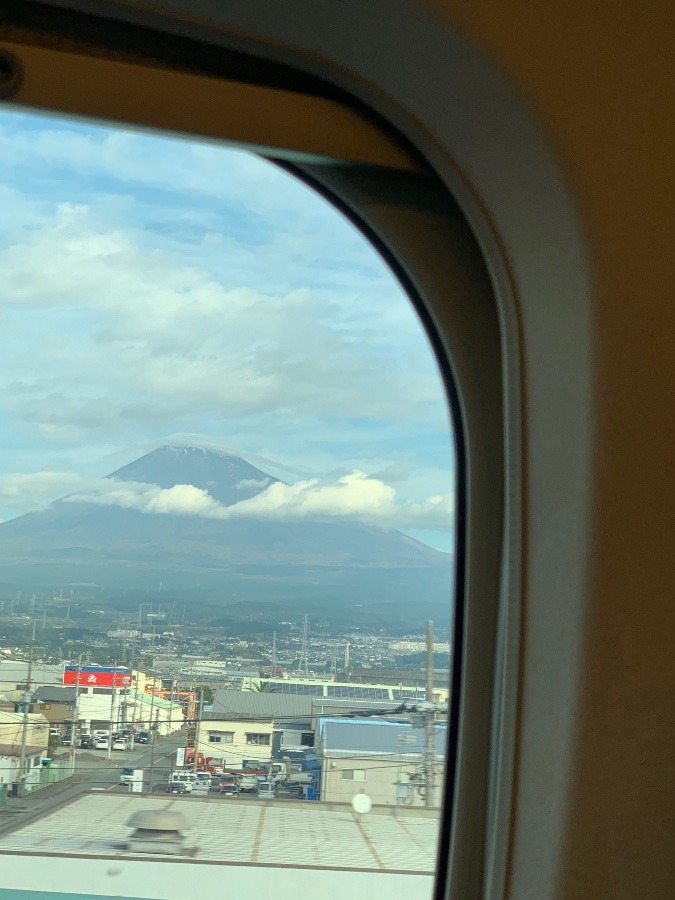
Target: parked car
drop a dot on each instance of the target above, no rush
(248, 783)
(200, 787)
(86, 742)
(229, 789)
(226, 779)
(176, 787)
(102, 743)
(120, 743)
(266, 790)
(142, 737)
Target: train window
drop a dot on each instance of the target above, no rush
(228, 522)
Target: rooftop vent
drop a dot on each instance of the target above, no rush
(158, 831)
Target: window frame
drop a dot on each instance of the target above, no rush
(266, 742)
(407, 212)
(350, 775)
(220, 735)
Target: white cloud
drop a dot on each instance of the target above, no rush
(151, 285)
(129, 336)
(31, 491)
(354, 496)
(252, 483)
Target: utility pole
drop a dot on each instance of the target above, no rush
(274, 656)
(112, 711)
(24, 727)
(429, 724)
(73, 729)
(153, 736)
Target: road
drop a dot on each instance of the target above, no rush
(105, 775)
(93, 774)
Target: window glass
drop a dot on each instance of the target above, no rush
(258, 739)
(221, 737)
(353, 774)
(226, 499)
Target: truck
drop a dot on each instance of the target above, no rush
(132, 777)
(198, 761)
(280, 773)
(263, 771)
(186, 777)
(289, 773)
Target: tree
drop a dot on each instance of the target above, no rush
(206, 693)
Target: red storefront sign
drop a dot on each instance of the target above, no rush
(97, 676)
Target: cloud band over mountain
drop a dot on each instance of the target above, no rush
(354, 496)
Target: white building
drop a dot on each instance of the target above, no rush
(383, 759)
(14, 676)
(11, 741)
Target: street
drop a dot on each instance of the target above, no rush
(93, 771)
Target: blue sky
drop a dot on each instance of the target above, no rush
(153, 287)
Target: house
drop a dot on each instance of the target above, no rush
(57, 705)
(384, 759)
(22, 735)
(246, 725)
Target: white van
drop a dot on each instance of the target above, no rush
(189, 779)
(267, 790)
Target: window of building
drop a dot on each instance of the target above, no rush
(353, 774)
(105, 691)
(307, 739)
(36, 761)
(221, 737)
(260, 739)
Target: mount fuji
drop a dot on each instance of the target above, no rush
(77, 540)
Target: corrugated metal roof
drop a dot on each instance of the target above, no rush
(17, 670)
(50, 694)
(376, 737)
(245, 832)
(15, 750)
(252, 703)
(347, 703)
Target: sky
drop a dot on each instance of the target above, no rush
(156, 290)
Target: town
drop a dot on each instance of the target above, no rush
(303, 716)
(242, 734)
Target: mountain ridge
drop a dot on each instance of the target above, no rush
(79, 540)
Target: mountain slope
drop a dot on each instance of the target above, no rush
(76, 541)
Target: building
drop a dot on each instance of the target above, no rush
(14, 676)
(186, 699)
(148, 711)
(27, 735)
(383, 759)
(58, 706)
(117, 697)
(246, 847)
(246, 725)
(326, 687)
